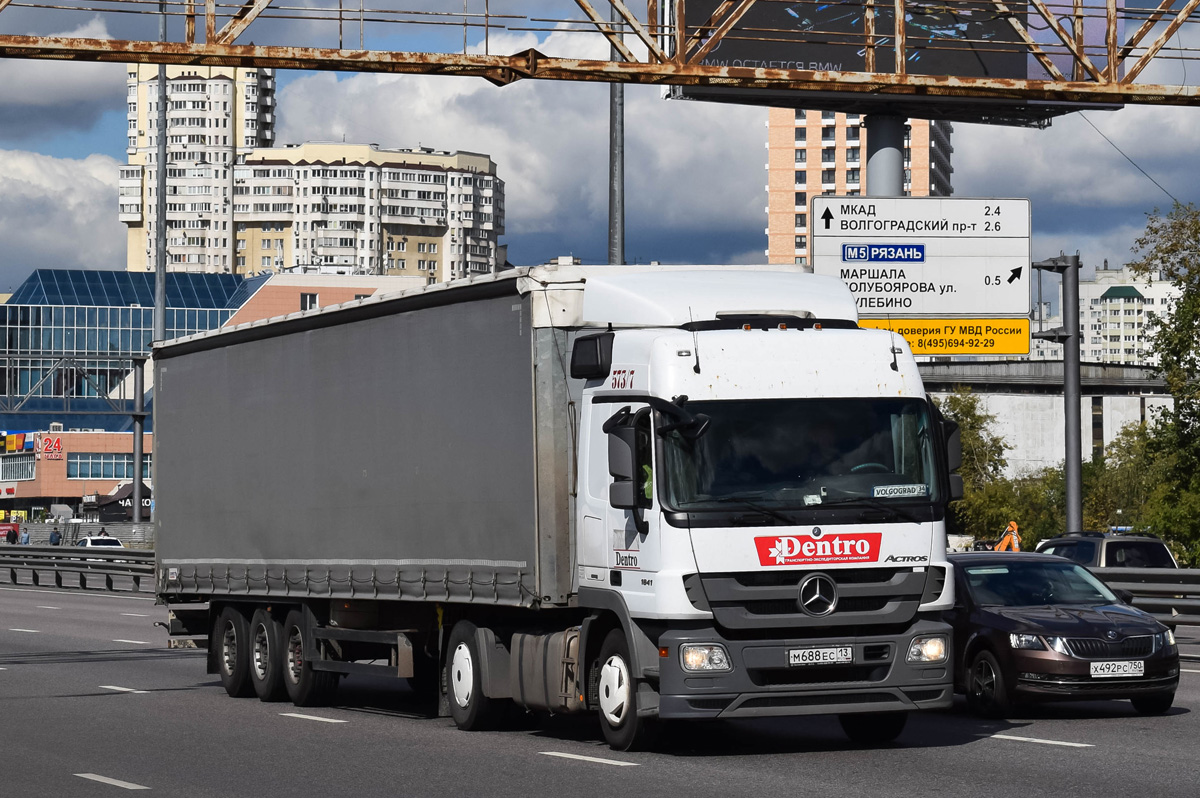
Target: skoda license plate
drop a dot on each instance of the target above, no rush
(833, 655)
(1105, 670)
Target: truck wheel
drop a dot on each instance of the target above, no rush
(470, 708)
(231, 637)
(305, 687)
(623, 729)
(873, 728)
(987, 693)
(266, 656)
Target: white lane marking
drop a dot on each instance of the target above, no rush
(40, 607)
(122, 689)
(127, 614)
(1189, 670)
(138, 642)
(311, 717)
(92, 593)
(616, 762)
(31, 631)
(1043, 742)
(114, 782)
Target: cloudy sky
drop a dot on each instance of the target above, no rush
(695, 179)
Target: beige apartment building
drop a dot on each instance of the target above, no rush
(237, 204)
(810, 153)
(215, 116)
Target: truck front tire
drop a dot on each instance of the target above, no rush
(469, 707)
(623, 729)
(231, 636)
(305, 686)
(267, 656)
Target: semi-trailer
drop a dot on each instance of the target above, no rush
(645, 492)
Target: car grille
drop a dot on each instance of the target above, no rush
(1094, 648)
(764, 600)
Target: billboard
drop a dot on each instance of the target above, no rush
(941, 39)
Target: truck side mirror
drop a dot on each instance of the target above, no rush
(591, 357)
(622, 466)
(953, 437)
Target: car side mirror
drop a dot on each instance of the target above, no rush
(1124, 595)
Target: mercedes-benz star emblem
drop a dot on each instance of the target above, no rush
(818, 595)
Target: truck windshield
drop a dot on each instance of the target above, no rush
(802, 453)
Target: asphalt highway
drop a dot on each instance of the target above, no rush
(92, 703)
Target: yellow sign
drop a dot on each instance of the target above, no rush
(959, 336)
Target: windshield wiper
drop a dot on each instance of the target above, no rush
(873, 503)
(747, 499)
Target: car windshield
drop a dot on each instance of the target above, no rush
(105, 542)
(1035, 583)
(798, 453)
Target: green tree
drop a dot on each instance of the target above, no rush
(988, 501)
(1169, 249)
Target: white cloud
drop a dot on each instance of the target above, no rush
(57, 212)
(691, 167)
(37, 96)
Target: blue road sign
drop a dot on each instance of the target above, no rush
(883, 253)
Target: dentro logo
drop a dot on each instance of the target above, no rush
(805, 549)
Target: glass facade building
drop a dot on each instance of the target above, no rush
(98, 320)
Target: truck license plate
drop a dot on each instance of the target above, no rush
(1107, 670)
(821, 656)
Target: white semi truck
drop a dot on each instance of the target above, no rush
(643, 492)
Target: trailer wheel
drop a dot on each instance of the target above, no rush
(623, 729)
(873, 728)
(305, 686)
(266, 656)
(231, 637)
(469, 707)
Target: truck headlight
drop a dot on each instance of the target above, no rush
(931, 648)
(706, 657)
(1026, 641)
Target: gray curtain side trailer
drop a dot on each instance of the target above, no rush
(380, 471)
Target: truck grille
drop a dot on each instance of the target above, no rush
(766, 600)
(1094, 648)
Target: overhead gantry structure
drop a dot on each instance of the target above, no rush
(1020, 51)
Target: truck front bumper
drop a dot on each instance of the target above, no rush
(761, 682)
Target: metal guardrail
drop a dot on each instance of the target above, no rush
(112, 569)
(1171, 595)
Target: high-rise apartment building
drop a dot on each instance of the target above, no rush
(236, 204)
(810, 153)
(215, 116)
(360, 209)
(1116, 310)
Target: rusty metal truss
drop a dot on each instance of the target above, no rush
(1073, 51)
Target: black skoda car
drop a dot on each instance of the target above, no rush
(1035, 627)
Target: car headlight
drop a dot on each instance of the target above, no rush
(706, 657)
(1059, 644)
(931, 648)
(1165, 640)
(1026, 641)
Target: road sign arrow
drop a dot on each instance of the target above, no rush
(828, 217)
(1016, 274)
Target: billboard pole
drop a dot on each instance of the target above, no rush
(885, 155)
(616, 162)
